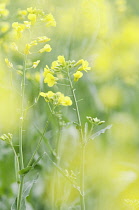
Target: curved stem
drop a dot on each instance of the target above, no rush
(82, 201)
(20, 190)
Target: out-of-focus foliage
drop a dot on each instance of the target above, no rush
(106, 33)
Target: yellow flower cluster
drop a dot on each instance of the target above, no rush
(3, 11)
(19, 28)
(56, 98)
(46, 48)
(49, 77)
(61, 64)
(33, 15)
(83, 67)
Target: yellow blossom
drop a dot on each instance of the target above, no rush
(46, 71)
(33, 43)
(77, 76)
(79, 62)
(50, 80)
(19, 28)
(4, 27)
(3, 11)
(35, 64)
(66, 101)
(32, 18)
(61, 60)
(27, 49)
(50, 20)
(84, 66)
(9, 64)
(30, 10)
(43, 39)
(60, 98)
(22, 12)
(43, 94)
(54, 64)
(46, 48)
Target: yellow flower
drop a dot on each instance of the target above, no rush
(27, 49)
(61, 60)
(43, 94)
(60, 97)
(50, 94)
(84, 66)
(77, 76)
(3, 12)
(33, 43)
(50, 80)
(54, 64)
(4, 27)
(50, 20)
(22, 12)
(79, 63)
(66, 101)
(46, 71)
(35, 64)
(30, 10)
(46, 48)
(19, 28)
(32, 18)
(9, 64)
(43, 39)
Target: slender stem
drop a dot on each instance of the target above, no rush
(17, 168)
(82, 201)
(22, 116)
(20, 192)
(19, 198)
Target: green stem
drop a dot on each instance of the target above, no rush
(82, 200)
(19, 198)
(17, 167)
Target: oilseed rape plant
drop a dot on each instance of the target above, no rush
(61, 73)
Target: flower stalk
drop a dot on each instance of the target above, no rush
(82, 200)
(21, 158)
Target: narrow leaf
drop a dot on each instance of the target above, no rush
(26, 191)
(25, 170)
(100, 132)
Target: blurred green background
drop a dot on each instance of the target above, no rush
(106, 33)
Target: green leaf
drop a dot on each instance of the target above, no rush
(26, 191)
(100, 132)
(25, 170)
(37, 161)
